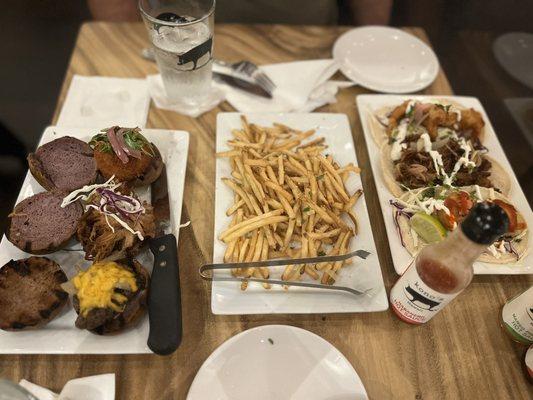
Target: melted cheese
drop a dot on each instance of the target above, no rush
(96, 286)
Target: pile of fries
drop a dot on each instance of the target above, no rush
(289, 202)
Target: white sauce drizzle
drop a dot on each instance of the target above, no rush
(424, 143)
(398, 136)
(478, 193)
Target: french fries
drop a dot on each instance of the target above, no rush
(290, 201)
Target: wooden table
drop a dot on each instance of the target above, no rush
(462, 353)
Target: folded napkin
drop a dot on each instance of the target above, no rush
(94, 101)
(301, 86)
(97, 387)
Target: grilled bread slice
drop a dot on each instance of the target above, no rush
(39, 225)
(30, 293)
(65, 163)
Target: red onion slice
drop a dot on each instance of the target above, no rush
(117, 148)
(128, 150)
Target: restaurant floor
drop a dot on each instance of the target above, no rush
(39, 36)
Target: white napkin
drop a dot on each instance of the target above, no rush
(94, 101)
(300, 86)
(97, 387)
(159, 96)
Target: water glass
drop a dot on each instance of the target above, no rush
(181, 32)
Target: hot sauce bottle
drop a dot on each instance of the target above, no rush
(443, 270)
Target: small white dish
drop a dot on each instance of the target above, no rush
(386, 59)
(276, 362)
(514, 52)
(369, 103)
(60, 336)
(228, 299)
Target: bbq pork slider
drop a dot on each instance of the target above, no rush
(109, 296)
(127, 155)
(114, 225)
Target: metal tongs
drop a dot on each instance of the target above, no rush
(206, 271)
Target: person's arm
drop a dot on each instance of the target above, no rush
(114, 10)
(370, 12)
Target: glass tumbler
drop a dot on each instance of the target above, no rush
(181, 32)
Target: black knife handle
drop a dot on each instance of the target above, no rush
(164, 297)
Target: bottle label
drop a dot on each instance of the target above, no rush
(414, 301)
(517, 315)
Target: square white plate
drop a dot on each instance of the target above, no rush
(228, 298)
(60, 336)
(366, 104)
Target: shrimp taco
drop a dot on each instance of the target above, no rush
(427, 215)
(434, 117)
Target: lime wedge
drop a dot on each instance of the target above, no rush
(428, 227)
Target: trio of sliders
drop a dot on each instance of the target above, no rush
(89, 195)
(434, 161)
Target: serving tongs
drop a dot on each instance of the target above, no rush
(206, 271)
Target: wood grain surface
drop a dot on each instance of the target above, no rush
(461, 354)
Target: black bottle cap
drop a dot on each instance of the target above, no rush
(485, 223)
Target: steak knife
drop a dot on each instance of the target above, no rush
(164, 297)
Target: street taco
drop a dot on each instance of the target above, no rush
(444, 209)
(450, 160)
(434, 117)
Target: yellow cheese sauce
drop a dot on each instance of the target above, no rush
(96, 286)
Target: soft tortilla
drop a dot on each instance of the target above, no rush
(508, 258)
(499, 177)
(379, 132)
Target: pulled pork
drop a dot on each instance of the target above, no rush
(100, 242)
(416, 169)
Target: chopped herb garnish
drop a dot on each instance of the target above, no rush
(306, 209)
(445, 108)
(270, 341)
(320, 177)
(429, 192)
(132, 137)
(321, 253)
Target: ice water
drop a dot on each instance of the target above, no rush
(185, 80)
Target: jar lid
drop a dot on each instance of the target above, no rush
(485, 223)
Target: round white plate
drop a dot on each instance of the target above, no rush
(276, 362)
(386, 59)
(514, 52)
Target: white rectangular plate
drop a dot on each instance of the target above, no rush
(228, 298)
(60, 336)
(366, 104)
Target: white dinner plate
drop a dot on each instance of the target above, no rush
(386, 59)
(276, 362)
(228, 298)
(366, 105)
(60, 335)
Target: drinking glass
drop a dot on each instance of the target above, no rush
(181, 32)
